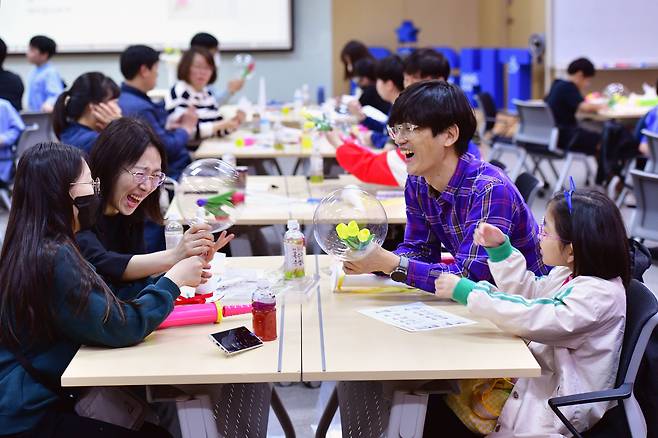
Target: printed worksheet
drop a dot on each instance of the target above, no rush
(416, 317)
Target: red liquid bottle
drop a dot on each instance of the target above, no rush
(263, 310)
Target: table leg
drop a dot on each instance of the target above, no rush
(327, 415)
(282, 415)
(297, 165)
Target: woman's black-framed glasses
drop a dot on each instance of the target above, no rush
(141, 178)
(96, 184)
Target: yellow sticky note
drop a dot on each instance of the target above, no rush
(239, 142)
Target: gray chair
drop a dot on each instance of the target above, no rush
(644, 224)
(499, 145)
(651, 166)
(652, 162)
(528, 186)
(38, 128)
(625, 419)
(538, 138)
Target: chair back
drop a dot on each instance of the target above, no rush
(652, 139)
(641, 320)
(486, 104)
(528, 186)
(645, 217)
(38, 128)
(536, 125)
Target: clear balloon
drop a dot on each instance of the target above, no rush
(614, 89)
(348, 223)
(245, 64)
(242, 59)
(207, 192)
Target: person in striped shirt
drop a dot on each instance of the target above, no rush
(448, 193)
(196, 71)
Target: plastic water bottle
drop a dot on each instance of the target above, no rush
(255, 123)
(294, 251)
(306, 95)
(316, 166)
(297, 100)
(263, 311)
(173, 234)
(278, 136)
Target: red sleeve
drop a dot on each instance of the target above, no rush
(368, 166)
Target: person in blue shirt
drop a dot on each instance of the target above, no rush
(11, 85)
(43, 83)
(52, 301)
(210, 43)
(11, 127)
(139, 66)
(85, 109)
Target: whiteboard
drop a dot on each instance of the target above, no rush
(111, 25)
(611, 33)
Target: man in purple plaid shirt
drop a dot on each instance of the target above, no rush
(448, 192)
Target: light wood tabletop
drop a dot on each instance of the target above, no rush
(185, 355)
(339, 343)
(262, 148)
(393, 204)
(622, 113)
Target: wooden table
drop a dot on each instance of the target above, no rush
(216, 147)
(272, 200)
(626, 114)
(321, 337)
(185, 355)
(339, 343)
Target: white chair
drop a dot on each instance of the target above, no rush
(651, 166)
(499, 145)
(38, 129)
(644, 224)
(538, 138)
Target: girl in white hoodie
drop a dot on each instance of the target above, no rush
(573, 318)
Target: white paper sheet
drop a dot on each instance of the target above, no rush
(415, 317)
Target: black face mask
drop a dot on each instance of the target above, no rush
(88, 207)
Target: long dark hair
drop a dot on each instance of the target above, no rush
(119, 147)
(596, 231)
(352, 52)
(93, 87)
(40, 222)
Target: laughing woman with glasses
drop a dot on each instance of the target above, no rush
(130, 162)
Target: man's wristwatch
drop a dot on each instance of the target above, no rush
(399, 274)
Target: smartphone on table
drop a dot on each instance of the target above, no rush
(236, 340)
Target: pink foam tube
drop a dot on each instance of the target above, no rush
(202, 314)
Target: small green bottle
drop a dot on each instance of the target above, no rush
(294, 251)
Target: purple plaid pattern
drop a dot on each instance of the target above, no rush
(477, 192)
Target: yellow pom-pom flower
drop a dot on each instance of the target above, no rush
(341, 230)
(352, 229)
